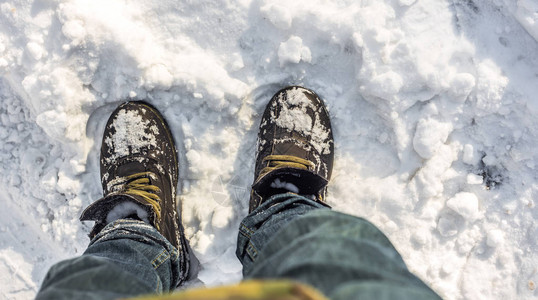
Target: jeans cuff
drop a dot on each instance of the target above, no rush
(263, 223)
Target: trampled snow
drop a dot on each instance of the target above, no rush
(434, 107)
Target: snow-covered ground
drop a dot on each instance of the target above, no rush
(434, 105)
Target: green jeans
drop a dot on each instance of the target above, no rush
(288, 236)
(344, 257)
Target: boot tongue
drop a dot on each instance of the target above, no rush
(296, 148)
(99, 210)
(308, 182)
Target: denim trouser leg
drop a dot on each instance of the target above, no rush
(126, 258)
(345, 257)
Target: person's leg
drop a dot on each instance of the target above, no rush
(127, 258)
(345, 257)
(297, 237)
(137, 243)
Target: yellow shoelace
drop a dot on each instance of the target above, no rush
(139, 185)
(285, 161)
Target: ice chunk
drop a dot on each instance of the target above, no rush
(495, 238)
(429, 136)
(489, 160)
(474, 179)
(469, 154)
(194, 158)
(466, 205)
(292, 51)
(421, 237)
(35, 50)
(74, 30)
(461, 86)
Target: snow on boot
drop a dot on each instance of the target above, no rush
(295, 147)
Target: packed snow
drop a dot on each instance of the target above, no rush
(433, 103)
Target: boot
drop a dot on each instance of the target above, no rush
(295, 147)
(139, 175)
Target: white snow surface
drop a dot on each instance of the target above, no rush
(433, 103)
